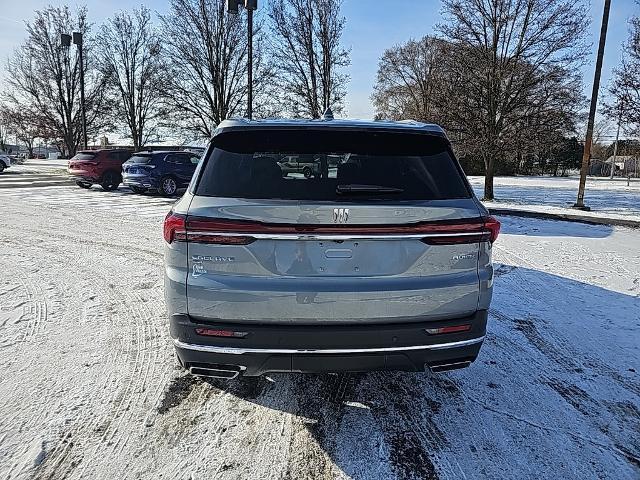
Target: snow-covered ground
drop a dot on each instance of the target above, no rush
(89, 388)
(35, 165)
(611, 198)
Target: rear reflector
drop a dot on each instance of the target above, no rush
(451, 329)
(220, 333)
(242, 232)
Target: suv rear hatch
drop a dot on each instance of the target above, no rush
(84, 163)
(386, 231)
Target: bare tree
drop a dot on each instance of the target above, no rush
(129, 58)
(422, 80)
(410, 79)
(511, 48)
(307, 50)
(44, 83)
(4, 131)
(205, 50)
(624, 102)
(21, 124)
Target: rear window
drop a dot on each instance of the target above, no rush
(84, 156)
(331, 166)
(140, 159)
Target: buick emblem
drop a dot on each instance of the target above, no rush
(340, 215)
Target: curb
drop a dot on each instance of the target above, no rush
(567, 217)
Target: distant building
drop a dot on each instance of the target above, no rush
(625, 165)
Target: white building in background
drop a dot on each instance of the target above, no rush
(625, 165)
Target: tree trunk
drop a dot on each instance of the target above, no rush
(488, 178)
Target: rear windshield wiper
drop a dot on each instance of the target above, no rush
(355, 189)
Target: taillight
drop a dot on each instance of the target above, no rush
(220, 232)
(242, 232)
(493, 225)
(174, 227)
(466, 231)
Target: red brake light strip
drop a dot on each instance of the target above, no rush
(233, 232)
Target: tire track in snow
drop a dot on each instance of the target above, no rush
(138, 314)
(561, 350)
(580, 366)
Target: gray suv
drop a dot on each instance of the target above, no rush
(381, 261)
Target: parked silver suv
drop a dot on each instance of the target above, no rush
(381, 261)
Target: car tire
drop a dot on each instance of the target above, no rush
(110, 181)
(168, 186)
(2, 167)
(81, 184)
(138, 189)
(306, 171)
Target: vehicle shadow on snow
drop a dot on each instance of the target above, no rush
(519, 404)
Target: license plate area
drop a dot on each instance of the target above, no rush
(342, 257)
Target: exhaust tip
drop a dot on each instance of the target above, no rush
(215, 371)
(445, 367)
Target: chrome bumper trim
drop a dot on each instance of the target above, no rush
(241, 351)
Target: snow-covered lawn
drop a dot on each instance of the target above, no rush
(89, 388)
(38, 166)
(611, 198)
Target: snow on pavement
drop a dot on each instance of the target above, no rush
(35, 165)
(90, 388)
(612, 198)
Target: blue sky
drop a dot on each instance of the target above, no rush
(372, 26)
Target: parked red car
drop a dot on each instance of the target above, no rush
(103, 167)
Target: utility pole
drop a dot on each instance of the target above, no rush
(592, 110)
(250, 6)
(615, 145)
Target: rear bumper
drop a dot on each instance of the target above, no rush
(307, 348)
(84, 175)
(140, 181)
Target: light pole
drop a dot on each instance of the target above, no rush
(77, 40)
(592, 110)
(250, 6)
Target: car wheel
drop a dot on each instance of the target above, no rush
(110, 181)
(168, 186)
(306, 171)
(83, 184)
(1, 167)
(138, 189)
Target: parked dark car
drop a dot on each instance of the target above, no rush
(98, 166)
(164, 172)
